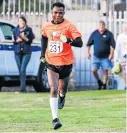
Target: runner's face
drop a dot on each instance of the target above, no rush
(58, 14)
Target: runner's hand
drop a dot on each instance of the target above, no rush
(43, 60)
(64, 39)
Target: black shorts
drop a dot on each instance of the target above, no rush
(63, 71)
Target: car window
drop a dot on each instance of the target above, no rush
(1, 35)
(7, 31)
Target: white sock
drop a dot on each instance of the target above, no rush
(54, 107)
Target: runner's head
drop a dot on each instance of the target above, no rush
(58, 12)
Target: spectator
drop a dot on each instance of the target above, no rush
(121, 51)
(23, 37)
(103, 44)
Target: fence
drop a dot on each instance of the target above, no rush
(86, 21)
(43, 6)
(36, 11)
(115, 21)
(84, 76)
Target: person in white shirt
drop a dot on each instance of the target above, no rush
(121, 51)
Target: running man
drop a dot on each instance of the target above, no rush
(58, 36)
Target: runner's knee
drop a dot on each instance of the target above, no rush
(53, 90)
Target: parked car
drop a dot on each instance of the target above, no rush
(9, 75)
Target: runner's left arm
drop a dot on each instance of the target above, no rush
(77, 42)
(76, 36)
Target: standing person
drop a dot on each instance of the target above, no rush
(103, 44)
(23, 37)
(121, 51)
(58, 36)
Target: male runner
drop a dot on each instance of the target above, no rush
(58, 36)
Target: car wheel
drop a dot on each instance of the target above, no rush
(41, 84)
(0, 88)
(1, 83)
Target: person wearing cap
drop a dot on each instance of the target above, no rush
(121, 51)
(103, 46)
(23, 37)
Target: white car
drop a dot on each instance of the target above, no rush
(9, 75)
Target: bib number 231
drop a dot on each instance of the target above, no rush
(55, 47)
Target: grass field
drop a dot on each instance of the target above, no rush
(85, 111)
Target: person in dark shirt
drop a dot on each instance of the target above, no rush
(23, 37)
(103, 51)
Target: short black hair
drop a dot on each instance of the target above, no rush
(58, 4)
(23, 18)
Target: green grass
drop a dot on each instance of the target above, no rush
(85, 111)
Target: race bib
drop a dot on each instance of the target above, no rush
(55, 47)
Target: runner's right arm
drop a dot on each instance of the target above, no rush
(44, 42)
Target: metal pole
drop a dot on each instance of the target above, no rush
(91, 5)
(76, 3)
(19, 5)
(45, 7)
(14, 6)
(9, 9)
(113, 14)
(126, 5)
(24, 4)
(29, 6)
(4, 8)
(39, 6)
(81, 4)
(86, 4)
(34, 6)
(49, 5)
(107, 13)
(105, 10)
